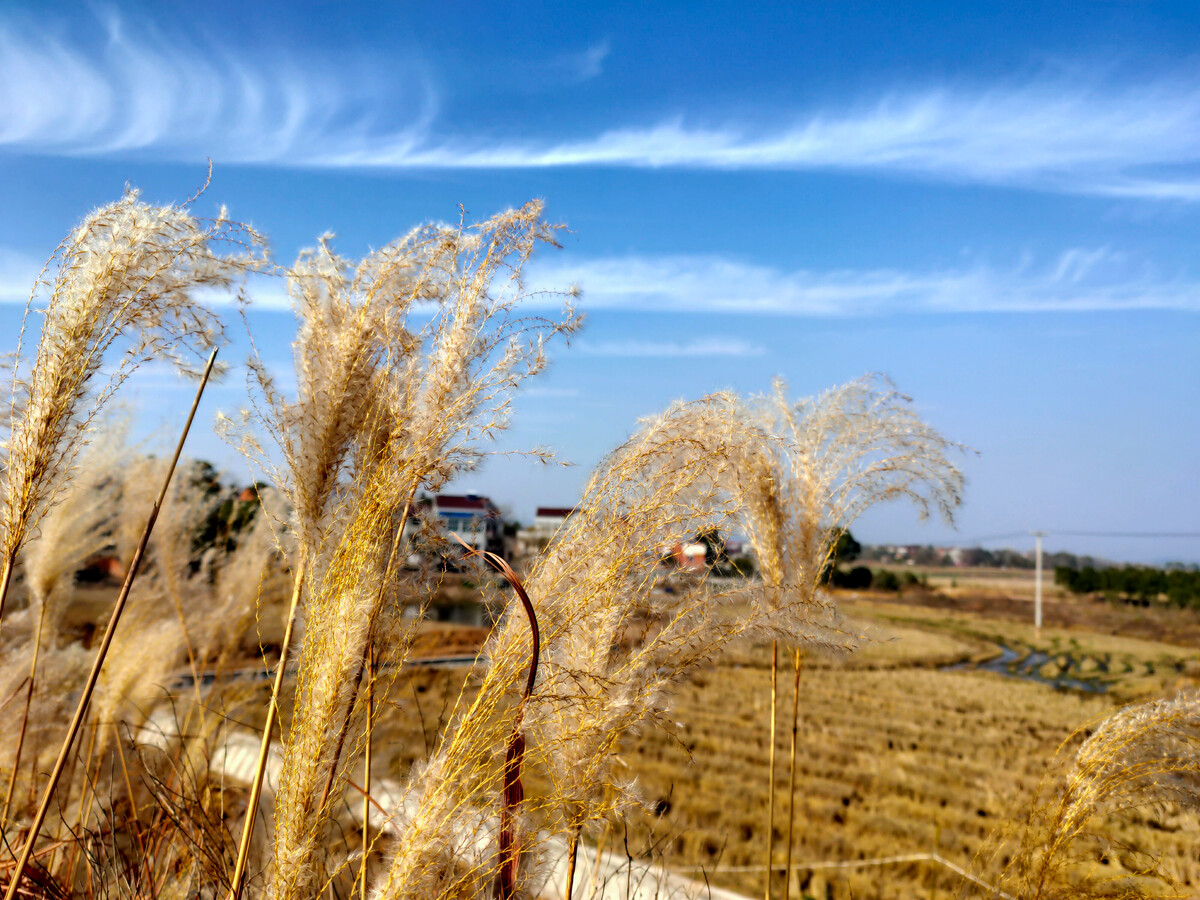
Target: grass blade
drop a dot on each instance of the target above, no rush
(94, 676)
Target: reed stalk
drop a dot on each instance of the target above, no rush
(572, 852)
(771, 772)
(12, 778)
(366, 837)
(513, 792)
(787, 871)
(9, 562)
(260, 768)
(94, 675)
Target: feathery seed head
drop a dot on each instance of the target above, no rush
(128, 272)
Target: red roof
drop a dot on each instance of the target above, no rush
(559, 512)
(460, 501)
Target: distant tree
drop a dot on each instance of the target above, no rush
(714, 548)
(885, 580)
(858, 579)
(847, 548)
(742, 566)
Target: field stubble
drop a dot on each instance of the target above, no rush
(896, 754)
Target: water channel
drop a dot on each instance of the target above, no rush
(1028, 666)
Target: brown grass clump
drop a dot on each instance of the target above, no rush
(129, 271)
(72, 531)
(119, 813)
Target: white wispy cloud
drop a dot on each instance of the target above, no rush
(18, 272)
(171, 96)
(582, 66)
(1079, 279)
(699, 347)
(538, 390)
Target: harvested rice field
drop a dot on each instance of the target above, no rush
(912, 745)
(897, 754)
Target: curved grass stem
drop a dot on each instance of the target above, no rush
(514, 754)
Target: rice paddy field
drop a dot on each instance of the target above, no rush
(921, 742)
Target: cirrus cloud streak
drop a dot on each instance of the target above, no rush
(1079, 279)
(142, 93)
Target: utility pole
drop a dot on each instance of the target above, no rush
(1037, 584)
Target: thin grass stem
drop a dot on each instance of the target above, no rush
(572, 851)
(82, 813)
(366, 837)
(771, 772)
(239, 871)
(513, 792)
(9, 563)
(94, 675)
(787, 872)
(12, 778)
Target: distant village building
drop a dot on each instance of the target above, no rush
(473, 518)
(691, 556)
(100, 569)
(547, 520)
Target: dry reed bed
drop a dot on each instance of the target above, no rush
(406, 364)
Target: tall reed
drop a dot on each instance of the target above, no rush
(1145, 756)
(612, 649)
(830, 458)
(127, 274)
(454, 351)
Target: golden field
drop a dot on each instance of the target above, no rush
(896, 753)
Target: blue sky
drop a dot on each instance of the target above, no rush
(996, 206)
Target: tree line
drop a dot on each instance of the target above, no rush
(1134, 584)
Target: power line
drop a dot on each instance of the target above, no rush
(1129, 534)
(1054, 532)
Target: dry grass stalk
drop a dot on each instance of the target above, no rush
(828, 459)
(71, 532)
(612, 648)
(439, 389)
(787, 868)
(366, 812)
(771, 769)
(128, 272)
(1146, 755)
(81, 709)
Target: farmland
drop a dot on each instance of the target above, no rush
(904, 747)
